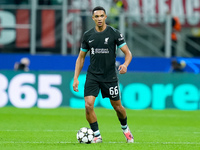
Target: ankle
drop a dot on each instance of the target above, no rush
(97, 133)
(125, 129)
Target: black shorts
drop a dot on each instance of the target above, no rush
(108, 89)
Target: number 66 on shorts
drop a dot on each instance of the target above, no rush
(108, 89)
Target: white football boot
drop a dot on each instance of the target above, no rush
(97, 139)
(128, 135)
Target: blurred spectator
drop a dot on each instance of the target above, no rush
(177, 66)
(117, 7)
(115, 10)
(176, 28)
(23, 65)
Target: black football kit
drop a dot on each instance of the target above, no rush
(102, 73)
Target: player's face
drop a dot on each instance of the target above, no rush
(99, 18)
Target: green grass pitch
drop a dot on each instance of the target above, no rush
(46, 129)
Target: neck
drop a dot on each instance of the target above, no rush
(102, 28)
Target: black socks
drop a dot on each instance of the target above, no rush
(95, 128)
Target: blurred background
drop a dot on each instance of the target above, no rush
(43, 37)
(56, 26)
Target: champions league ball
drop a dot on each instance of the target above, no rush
(85, 135)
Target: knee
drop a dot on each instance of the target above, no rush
(89, 107)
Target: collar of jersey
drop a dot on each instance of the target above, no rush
(102, 31)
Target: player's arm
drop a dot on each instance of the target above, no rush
(79, 65)
(128, 57)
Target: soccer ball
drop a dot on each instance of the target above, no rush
(85, 135)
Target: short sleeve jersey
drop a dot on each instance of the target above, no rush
(102, 47)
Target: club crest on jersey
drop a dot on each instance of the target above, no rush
(106, 40)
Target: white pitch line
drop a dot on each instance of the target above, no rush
(41, 142)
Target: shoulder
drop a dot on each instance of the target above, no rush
(112, 29)
(88, 32)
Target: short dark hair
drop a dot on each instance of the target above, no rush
(98, 8)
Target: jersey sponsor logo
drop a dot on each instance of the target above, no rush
(106, 40)
(90, 41)
(101, 51)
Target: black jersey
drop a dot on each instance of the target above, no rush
(102, 47)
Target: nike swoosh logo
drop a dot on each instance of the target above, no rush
(91, 41)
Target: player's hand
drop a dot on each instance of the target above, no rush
(75, 85)
(122, 69)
